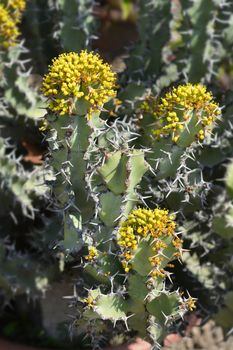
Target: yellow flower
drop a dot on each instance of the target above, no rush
(8, 29)
(89, 301)
(43, 125)
(156, 260)
(93, 253)
(17, 7)
(176, 108)
(17, 4)
(75, 80)
(149, 104)
(158, 273)
(190, 303)
(157, 224)
(177, 242)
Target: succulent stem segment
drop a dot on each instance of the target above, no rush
(77, 86)
(147, 243)
(68, 142)
(185, 115)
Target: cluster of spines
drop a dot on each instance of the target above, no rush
(15, 180)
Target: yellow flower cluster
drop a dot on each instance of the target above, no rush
(92, 254)
(17, 7)
(8, 29)
(177, 107)
(76, 79)
(10, 15)
(156, 224)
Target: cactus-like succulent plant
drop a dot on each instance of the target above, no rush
(95, 190)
